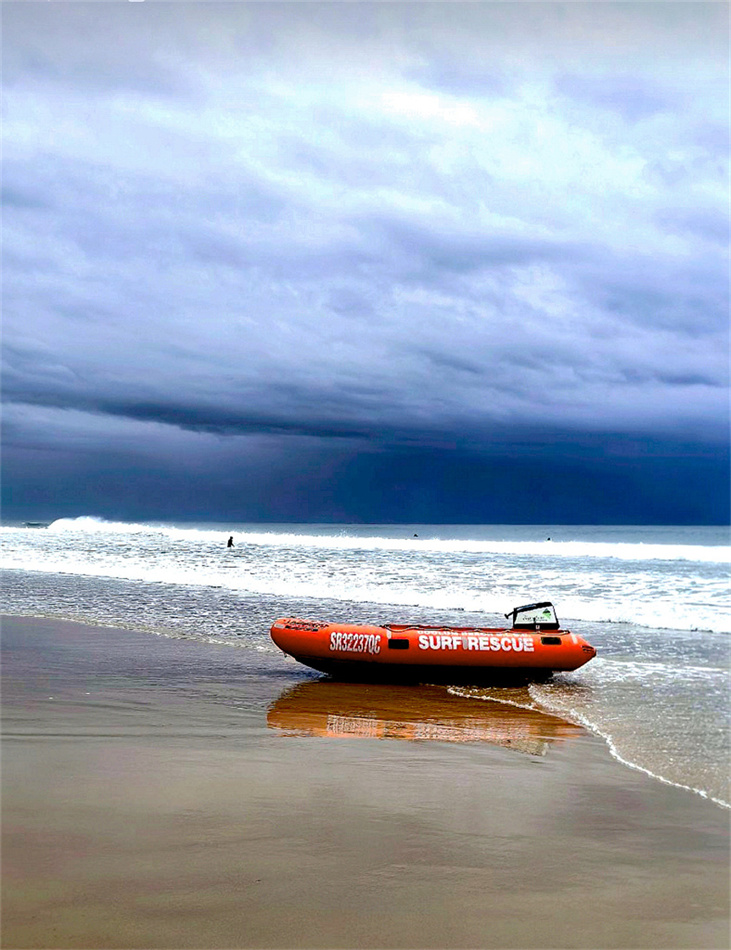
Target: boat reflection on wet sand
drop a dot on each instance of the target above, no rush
(377, 711)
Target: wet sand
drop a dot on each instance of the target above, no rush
(172, 793)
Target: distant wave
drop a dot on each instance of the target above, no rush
(284, 582)
(90, 525)
(674, 586)
(623, 551)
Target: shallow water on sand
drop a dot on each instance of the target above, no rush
(164, 792)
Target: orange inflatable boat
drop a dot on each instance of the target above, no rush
(533, 648)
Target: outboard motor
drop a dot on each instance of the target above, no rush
(535, 617)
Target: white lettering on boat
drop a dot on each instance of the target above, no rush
(453, 641)
(355, 642)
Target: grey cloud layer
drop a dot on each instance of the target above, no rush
(372, 221)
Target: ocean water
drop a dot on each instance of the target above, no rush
(654, 601)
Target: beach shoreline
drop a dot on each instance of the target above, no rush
(162, 792)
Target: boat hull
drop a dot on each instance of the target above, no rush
(357, 672)
(401, 653)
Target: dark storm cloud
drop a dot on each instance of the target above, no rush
(104, 50)
(689, 300)
(20, 197)
(369, 226)
(630, 96)
(707, 224)
(438, 252)
(460, 78)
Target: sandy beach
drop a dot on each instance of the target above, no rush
(162, 792)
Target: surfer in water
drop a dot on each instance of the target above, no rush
(230, 542)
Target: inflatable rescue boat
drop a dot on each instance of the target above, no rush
(532, 648)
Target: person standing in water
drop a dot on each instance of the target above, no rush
(230, 542)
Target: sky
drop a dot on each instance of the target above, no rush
(366, 262)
